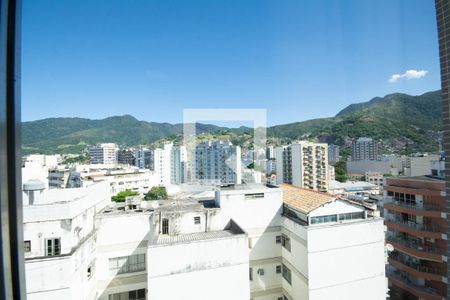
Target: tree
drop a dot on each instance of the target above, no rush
(156, 193)
(340, 169)
(120, 197)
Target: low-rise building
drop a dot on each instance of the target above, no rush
(267, 242)
(374, 178)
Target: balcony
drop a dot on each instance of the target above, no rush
(401, 280)
(416, 229)
(402, 262)
(426, 210)
(416, 249)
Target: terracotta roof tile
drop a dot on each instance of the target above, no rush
(304, 200)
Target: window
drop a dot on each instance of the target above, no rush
(286, 242)
(196, 220)
(278, 269)
(286, 274)
(27, 246)
(250, 270)
(53, 247)
(127, 264)
(91, 269)
(165, 226)
(254, 195)
(324, 219)
(278, 239)
(130, 295)
(351, 216)
(261, 272)
(137, 295)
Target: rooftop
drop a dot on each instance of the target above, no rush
(160, 240)
(420, 178)
(304, 200)
(230, 231)
(247, 186)
(156, 206)
(353, 185)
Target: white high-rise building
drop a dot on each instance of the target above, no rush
(162, 159)
(178, 163)
(217, 163)
(105, 153)
(303, 164)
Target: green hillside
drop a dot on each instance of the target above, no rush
(402, 123)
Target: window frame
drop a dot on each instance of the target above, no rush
(27, 246)
(56, 249)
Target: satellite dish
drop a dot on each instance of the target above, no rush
(389, 247)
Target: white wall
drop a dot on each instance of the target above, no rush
(208, 272)
(349, 254)
(121, 235)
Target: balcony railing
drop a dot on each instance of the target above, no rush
(412, 244)
(418, 267)
(416, 206)
(402, 277)
(409, 224)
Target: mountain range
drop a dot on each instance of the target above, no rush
(401, 123)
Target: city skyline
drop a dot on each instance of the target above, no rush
(94, 61)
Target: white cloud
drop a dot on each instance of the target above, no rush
(409, 74)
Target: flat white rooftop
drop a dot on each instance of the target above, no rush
(164, 240)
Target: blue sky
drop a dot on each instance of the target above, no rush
(298, 59)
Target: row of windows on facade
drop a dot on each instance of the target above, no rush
(335, 218)
(323, 219)
(127, 264)
(52, 246)
(403, 197)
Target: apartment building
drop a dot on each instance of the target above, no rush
(333, 153)
(178, 164)
(144, 159)
(418, 165)
(270, 152)
(303, 164)
(119, 179)
(59, 240)
(264, 242)
(105, 153)
(332, 247)
(364, 148)
(126, 157)
(216, 162)
(415, 215)
(374, 178)
(161, 160)
(58, 177)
